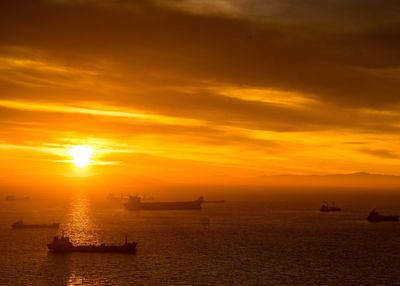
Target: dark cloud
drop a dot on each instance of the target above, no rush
(146, 38)
(382, 153)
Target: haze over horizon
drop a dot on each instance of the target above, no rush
(189, 91)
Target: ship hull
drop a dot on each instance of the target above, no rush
(330, 210)
(63, 245)
(383, 218)
(11, 198)
(94, 249)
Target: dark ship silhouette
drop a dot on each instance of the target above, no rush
(135, 203)
(327, 208)
(62, 244)
(144, 197)
(21, 225)
(14, 198)
(214, 202)
(374, 216)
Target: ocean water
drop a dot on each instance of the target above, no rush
(265, 241)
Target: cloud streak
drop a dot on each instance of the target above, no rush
(268, 86)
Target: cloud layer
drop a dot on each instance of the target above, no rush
(266, 86)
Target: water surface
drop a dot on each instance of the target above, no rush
(248, 242)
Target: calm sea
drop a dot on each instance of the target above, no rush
(271, 240)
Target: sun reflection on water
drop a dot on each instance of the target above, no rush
(80, 226)
(75, 279)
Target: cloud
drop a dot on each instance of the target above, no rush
(274, 83)
(382, 153)
(150, 39)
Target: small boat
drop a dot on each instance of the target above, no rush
(135, 203)
(14, 198)
(329, 208)
(63, 245)
(374, 216)
(21, 225)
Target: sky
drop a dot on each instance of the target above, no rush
(196, 91)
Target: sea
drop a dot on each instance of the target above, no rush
(254, 238)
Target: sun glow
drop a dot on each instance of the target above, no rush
(81, 155)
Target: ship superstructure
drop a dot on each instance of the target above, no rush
(329, 208)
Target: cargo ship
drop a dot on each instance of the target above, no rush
(21, 225)
(374, 216)
(62, 244)
(14, 198)
(135, 203)
(327, 208)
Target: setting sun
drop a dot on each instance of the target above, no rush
(81, 155)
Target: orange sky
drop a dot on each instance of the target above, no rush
(200, 90)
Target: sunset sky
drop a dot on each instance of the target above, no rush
(200, 90)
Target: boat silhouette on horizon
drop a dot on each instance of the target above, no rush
(15, 198)
(135, 203)
(374, 216)
(214, 202)
(329, 208)
(62, 244)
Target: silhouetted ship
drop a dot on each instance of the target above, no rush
(20, 225)
(214, 202)
(374, 216)
(135, 203)
(63, 245)
(327, 208)
(14, 198)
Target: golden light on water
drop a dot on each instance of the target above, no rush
(81, 155)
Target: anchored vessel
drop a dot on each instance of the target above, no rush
(14, 198)
(374, 216)
(214, 202)
(20, 225)
(327, 208)
(135, 203)
(63, 245)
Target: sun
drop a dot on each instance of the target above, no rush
(81, 155)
